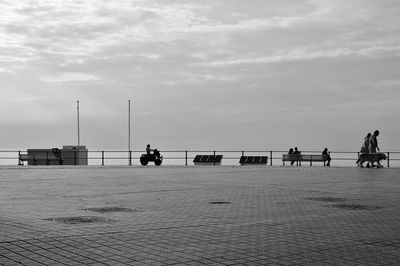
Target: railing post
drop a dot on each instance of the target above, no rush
(186, 158)
(388, 159)
(130, 157)
(75, 157)
(19, 158)
(242, 153)
(102, 158)
(270, 155)
(214, 158)
(47, 158)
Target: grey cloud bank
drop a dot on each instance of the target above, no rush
(200, 74)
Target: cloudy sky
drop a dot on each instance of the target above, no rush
(204, 74)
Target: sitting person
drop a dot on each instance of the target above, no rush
(326, 157)
(296, 151)
(291, 152)
(148, 150)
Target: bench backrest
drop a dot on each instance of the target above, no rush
(291, 157)
(313, 157)
(23, 157)
(207, 159)
(303, 157)
(253, 160)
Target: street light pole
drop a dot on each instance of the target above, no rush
(129, 133)
(79, 137)
(129, 125)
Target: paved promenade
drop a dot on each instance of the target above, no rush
(199, 216)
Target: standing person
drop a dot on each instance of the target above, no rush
(373, 144)
(326, 157)
(365, 147)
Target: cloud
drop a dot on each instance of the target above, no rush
(6, 71)
(220, 54)
(303, 54)
(386, 83)
(71, 77)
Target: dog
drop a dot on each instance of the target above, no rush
(371, 158)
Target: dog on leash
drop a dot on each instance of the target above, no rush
(371, 158)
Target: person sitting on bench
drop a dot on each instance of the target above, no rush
(296, 151)
(291, 152)
(326, 157)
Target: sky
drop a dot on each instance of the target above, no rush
(204, 74)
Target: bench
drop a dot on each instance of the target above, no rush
(40, 159)
(207, 160)
(298, 158)
(22, 158)
(257, 160)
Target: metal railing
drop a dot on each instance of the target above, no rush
(185, 157)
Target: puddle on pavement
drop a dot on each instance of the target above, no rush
(220, 202)
(79, 220)
(357, 207)
(109, 209)
(327, 199)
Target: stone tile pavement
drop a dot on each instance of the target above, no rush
(250, 215)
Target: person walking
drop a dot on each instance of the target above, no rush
(373, 144)
(365, 148)
(365, 145)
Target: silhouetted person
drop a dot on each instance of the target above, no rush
(365, 147)
(373, 143)
(148, 150)
(296, 151)
(291, 152)
(326, 157)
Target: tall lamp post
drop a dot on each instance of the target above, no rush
(129, 133)
(79, 137)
